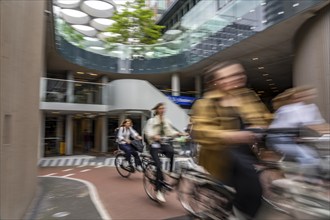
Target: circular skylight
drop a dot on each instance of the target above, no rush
(98, 8)
(74, 16)
(101, 23)
(68, 3)
(86, 30)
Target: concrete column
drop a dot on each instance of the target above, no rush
(175, 85)
(59, 132)
(68, 135)
(70, 88)
(104, 133)
(198, 86)
(104, 94)
(121, 118)
(41, 147)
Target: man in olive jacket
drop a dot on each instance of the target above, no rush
(219, 120)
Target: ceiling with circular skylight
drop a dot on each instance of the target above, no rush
(90, 18)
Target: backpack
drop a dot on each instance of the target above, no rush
(116, 132)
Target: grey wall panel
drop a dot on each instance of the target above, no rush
(133, 94)
(21, 66)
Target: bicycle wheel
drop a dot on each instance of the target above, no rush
(121, 169)
(206, 201)
(149, 181)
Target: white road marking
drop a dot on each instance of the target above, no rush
(51, 174)
(70, 174)
(82, 171)
(67, 170)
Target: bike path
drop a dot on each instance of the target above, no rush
(121, 198)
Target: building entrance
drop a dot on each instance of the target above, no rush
(83, 135)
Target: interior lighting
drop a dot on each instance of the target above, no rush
(74, 13)
(271, 84)
(295, 5)
(265, 74)
(252, 10)
(239, 18)
(99, 5)
(80, 73)
(281, 12)
(255, 58)
(55, 112)
(262, 3)
(261, 67)
(269, 80)
(264, 21)
(240, 34)
(253, 27)
(92, 74)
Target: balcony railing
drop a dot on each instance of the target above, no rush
(69, 91)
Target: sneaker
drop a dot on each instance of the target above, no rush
(139, 168)
(160, 196)
(125, 163)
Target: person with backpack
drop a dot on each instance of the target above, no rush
(125, 135)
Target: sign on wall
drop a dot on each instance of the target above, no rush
(182, 100)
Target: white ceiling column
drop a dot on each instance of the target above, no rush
(175, 84)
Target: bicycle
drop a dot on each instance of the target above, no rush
(183, 164)
(123, 166)
(211, 199)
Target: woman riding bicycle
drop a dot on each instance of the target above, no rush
(157, 128)
(125, 133)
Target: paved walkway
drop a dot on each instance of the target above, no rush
(114, 197)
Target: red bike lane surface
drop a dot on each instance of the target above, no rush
(123, 198)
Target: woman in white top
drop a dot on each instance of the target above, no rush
(295, 111)
(125, 134)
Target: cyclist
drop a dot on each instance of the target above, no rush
(156, 128)
(219, 120)
(125, 133)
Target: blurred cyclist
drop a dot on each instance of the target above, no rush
(156, 128)
(295, 111)
(219, 119)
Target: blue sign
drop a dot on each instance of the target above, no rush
(182, 100)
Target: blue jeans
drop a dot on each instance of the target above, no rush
(130, 150)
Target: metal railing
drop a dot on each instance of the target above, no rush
(232, 23)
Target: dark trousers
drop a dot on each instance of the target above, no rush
(129, 150)
(245, 180)
(168, 151)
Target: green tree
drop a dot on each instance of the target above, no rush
(134, 22)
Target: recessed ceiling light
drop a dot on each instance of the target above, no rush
(265, 74)
(93, 74)
(269, 80)
(271, 84)
(261, 67)
(255, 58)
(80, 73)
(281, 12)
(295, 5)
(55, 112)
